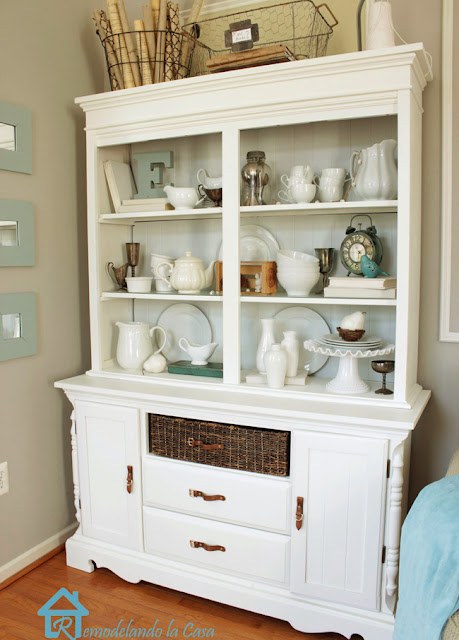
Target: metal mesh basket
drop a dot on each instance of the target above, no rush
(173, 56)
(298, 25)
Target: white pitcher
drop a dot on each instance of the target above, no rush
(134, 343)
(374, 172)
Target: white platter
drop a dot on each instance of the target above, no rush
(256, 244)
(308, 325)
(334, 339)
(183, 321)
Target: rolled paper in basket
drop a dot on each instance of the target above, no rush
(174, 19)
(161, 45)
(151, 43)
(168, 60)
(142, 48)
(105, 33)
(120, 43)
(193, 17)
(129, 43)
(154, 4)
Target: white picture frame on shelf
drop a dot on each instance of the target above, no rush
(122, 189)
(449, 290)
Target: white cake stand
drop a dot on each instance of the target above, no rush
(347, 379)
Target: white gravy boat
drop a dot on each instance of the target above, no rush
(200, 353)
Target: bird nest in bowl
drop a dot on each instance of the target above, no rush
(350, 335)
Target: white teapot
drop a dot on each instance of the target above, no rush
(189, 275)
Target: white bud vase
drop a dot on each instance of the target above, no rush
(292, 347)
(267, 339)
(276, 366)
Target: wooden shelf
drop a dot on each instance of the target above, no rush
(179, 297)
(316, 208)
(282, 298)
(210, 213)
(161, 216)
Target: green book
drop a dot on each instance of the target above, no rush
(210, 370)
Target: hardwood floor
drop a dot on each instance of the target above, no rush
(110, 599)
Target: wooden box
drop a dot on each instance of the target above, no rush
(268, 271)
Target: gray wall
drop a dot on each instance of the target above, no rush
(50, 54)
(437, 433)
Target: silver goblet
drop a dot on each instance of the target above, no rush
(326, 257)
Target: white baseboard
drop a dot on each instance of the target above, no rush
(30, 556)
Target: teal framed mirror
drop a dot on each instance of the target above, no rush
(18, 325)
(17, 245)
(15, 138)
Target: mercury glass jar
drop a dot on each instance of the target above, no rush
(256, 180)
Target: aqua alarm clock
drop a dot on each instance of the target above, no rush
(358, 243)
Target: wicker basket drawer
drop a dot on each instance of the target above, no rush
(221, 445)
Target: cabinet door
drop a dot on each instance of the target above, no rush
(336, 555)
(108, 443)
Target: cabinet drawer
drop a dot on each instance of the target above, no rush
(246, 552)
(255, 502)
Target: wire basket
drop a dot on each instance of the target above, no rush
(172, 59)
(299, 25)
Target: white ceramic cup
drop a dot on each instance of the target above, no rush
(338, 173)
(156, 259)
(331, 192)
(163, 287)
(303, 192)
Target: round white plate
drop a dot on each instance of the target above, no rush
(308, 324)
(183, 321)
(255, 245)
(335, 340)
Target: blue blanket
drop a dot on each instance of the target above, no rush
(429, 563)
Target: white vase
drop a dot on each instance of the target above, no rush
(267, 339)
(276, 366)
(380, 30)
(291, 346)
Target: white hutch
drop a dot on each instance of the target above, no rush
(349, 454)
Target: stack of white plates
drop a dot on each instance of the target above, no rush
(366, 342)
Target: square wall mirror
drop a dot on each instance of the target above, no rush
(18, 325)
(17, 245)
(11, 326)
(15, 138)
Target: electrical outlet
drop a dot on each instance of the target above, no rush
(4, 482)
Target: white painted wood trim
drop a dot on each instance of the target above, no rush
(395, 525)
(446, 334)
(30, 556)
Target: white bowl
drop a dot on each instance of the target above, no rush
(139, 285)
(298, 267)
(297, 284)
(288, 257)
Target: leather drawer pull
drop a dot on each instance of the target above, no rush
(200, 494)
(207, 447)
(299, 513)
(206, 547)
(129, 479)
